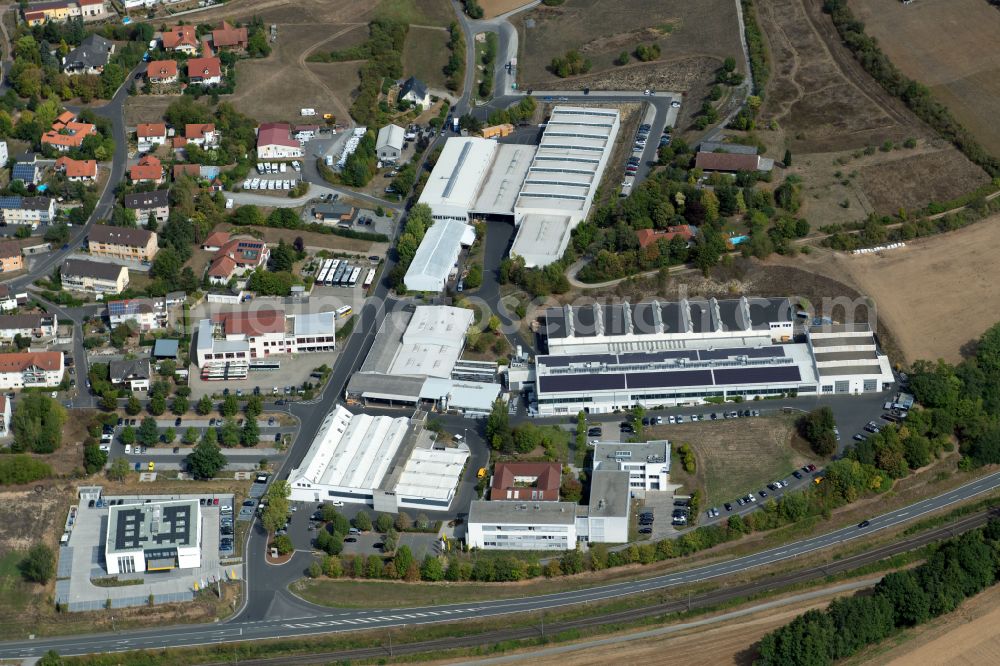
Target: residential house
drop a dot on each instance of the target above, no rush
(647, 237)
(136, 4)
(203, 135)
(31, 369)
(389, 144)
(134, 374)
(89, 57)
(228, 37)
(11, 258)
(526, 481)
(236, 258)
(274, 141)
(144, 313)
(96, 276)
(732, 162)
(38, 13)
(148, 206)
(4, 416)
(122, 243)
(215, 241)
(27, 173)
(414, 90)
(180, 38)
(77, 170)
(204, 71)
(28, 326)
(334, 213)
(150, 135)
(149, 169)
(67, 134)
(9, 301)
(31, 211)
(162, 71)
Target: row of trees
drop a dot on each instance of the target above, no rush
(37, 424)
(454, 69)
(958, 569)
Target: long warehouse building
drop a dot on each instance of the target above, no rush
(545, 191)
(608, 357)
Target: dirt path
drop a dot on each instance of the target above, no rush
(341, 109)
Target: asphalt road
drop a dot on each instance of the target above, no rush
(284, 621)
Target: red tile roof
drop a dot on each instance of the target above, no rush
(226, 35)
(510, 481)
(149, 130)
(162, 69)
(727, 162)
(77, 168)
(204, 68)
(21, 361)
(180, 35)
(252, 323)
(649, 236)
(8, 250)
(216, 239)
(221, 267)
(197, 130)
(148, 168)
(276, 134)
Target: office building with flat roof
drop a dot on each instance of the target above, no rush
(155, 536)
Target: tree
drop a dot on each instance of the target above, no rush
(93, 458)
(179, 405)
(282, 257)
(204, 407)
(133, 406)
(787, 161)
(250, 435)
(148, 433)
(205, 461)
(127, 435)
(119, 469)
(169, 435)
(817, 429)
(571, 489)
(190, 436)
(255, 406)
(229, 433)
(403, 521)
(37, 423)
(498, 432)
(51, 658)
(332, 566)
(383, 523)
(230, 405)
(403, 559)
(157, 405)
(275, 514)
(622, 58)
(363, 521)
(39, 565)
(330, 543)
(284, 544)
(432, 570)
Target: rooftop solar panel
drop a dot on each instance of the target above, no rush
(732, 352)
(595, 382)
(669, 379)
(584, 322)
(564, 361)
(657, 357)
(764, 375)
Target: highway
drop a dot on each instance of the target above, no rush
(330, 620)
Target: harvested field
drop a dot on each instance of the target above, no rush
(955, 302)
(685, 31)
(969, 636)
(735, 457)
(425, 55)
(817, 92)
(493, 8)
(913, 182)
(962, 73)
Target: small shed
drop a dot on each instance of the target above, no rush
(164, 348)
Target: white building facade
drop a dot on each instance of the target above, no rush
(522, 525)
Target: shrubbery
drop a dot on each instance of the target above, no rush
(571, 64)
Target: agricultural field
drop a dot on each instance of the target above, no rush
(492, 8)
(955, 303)
(425, 55)
(734, 457)
(694, 39)
(922, 40)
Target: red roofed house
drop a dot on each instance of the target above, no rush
(732, 162)
(150, 135)
(649, 236)
(77, 170)
(228, 37)
(24, 369)
(162, 71)
(236, 257)
(205, 71)
(204, 135)
(149, 169)
(274, 141)
(526, 481)
(215, 241)
(67, 134)
(180, 38)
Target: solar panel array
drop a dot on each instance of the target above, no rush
(669, 379)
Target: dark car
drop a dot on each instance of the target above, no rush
(277, 437)
(177, 421)
(797, 474)
(763, 493)
(378, 545)
(594, 432)
(728, 506)
(645, 530)
(351, 540)
(864, 523)
(812, 468)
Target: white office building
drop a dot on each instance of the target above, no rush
(522, 525)
(388, 463)
(647, 463)
(607, 516)
(157, 536)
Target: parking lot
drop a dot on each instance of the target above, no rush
(274, 176)
(287, 379)
(81, 560)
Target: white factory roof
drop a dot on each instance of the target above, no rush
(351, 451)
(458, 172)
(542, 239)
(432, 474)
(432, 341)
(464, 395)
(504, 180)
(390, 135)
(437, 254)
(319, 323)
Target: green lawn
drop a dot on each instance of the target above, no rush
(14, 591)
(425, 54)
(416, 12)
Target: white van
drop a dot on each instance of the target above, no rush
(458, 438)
